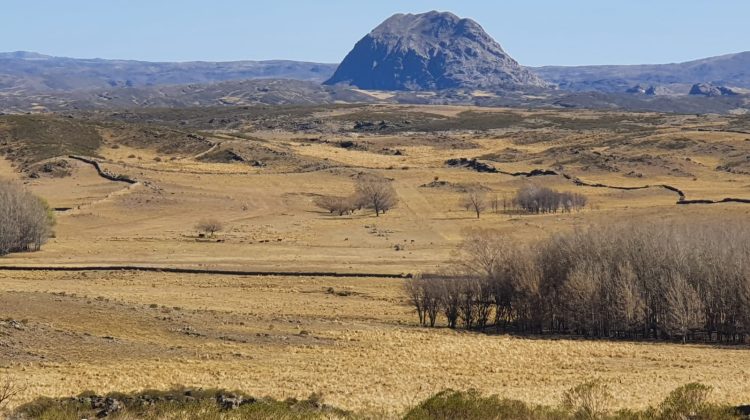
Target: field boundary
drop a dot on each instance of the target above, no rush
(204, 271)
(103, 173)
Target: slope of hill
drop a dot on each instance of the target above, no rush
(732, 70)
(431, 51)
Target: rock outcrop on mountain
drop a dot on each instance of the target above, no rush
(708, 89)
(431, 51)
(636, 90)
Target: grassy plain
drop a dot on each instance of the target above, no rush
(353, 339)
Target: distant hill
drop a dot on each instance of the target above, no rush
(732, 70)
(23, 71)
(431, 51)
(229, 93)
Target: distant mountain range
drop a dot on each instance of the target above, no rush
(731, 70)
(31, 72)
(428, 58)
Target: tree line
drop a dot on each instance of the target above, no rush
(370, 192)
(25, 219)
(685, 280)
(528, 199)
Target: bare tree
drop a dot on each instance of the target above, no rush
(481, 252)
(495, 204)
(9, 389)
(415, 290)
(475, 199)
(337, 205)
(533, 199)
(25, 220)
(209, 226)
(376, 193)
(684, 307)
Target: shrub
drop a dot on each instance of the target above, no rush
(471, 405)
(687, 401)
(590, 400)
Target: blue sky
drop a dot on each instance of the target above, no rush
(535, 32)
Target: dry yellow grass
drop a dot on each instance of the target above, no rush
(287, 336)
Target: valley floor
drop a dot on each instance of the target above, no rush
(354, 340)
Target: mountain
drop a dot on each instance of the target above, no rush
(728, 70)
(431, 51)
(229, 93)
(23, 71)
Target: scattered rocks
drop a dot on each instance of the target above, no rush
(12, 323)
(379, 125)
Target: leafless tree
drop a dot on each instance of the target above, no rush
(209, 226)
(9, 389)
(688, 279)
(337, 205)
(25, 220)
(415, 291)
(376, 193)
(533, 199)
(684, 307)
(475, 199)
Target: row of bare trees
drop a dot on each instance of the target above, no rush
(370, 192)
(25, 220)
(529, 199)
(534, 199)
(687, 281)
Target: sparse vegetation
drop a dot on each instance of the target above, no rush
(209, 226)
(588, 401)
(178, 403)
(643, 288)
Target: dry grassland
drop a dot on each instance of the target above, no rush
(358, 342)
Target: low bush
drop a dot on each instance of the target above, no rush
(590, 400)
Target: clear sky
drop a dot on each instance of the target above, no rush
(535, 32)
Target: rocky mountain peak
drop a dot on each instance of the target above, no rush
(431, 51)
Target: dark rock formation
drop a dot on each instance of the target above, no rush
(637, 89)
(431, 51)
(708, 89)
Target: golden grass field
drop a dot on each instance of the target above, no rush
(289, 336)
